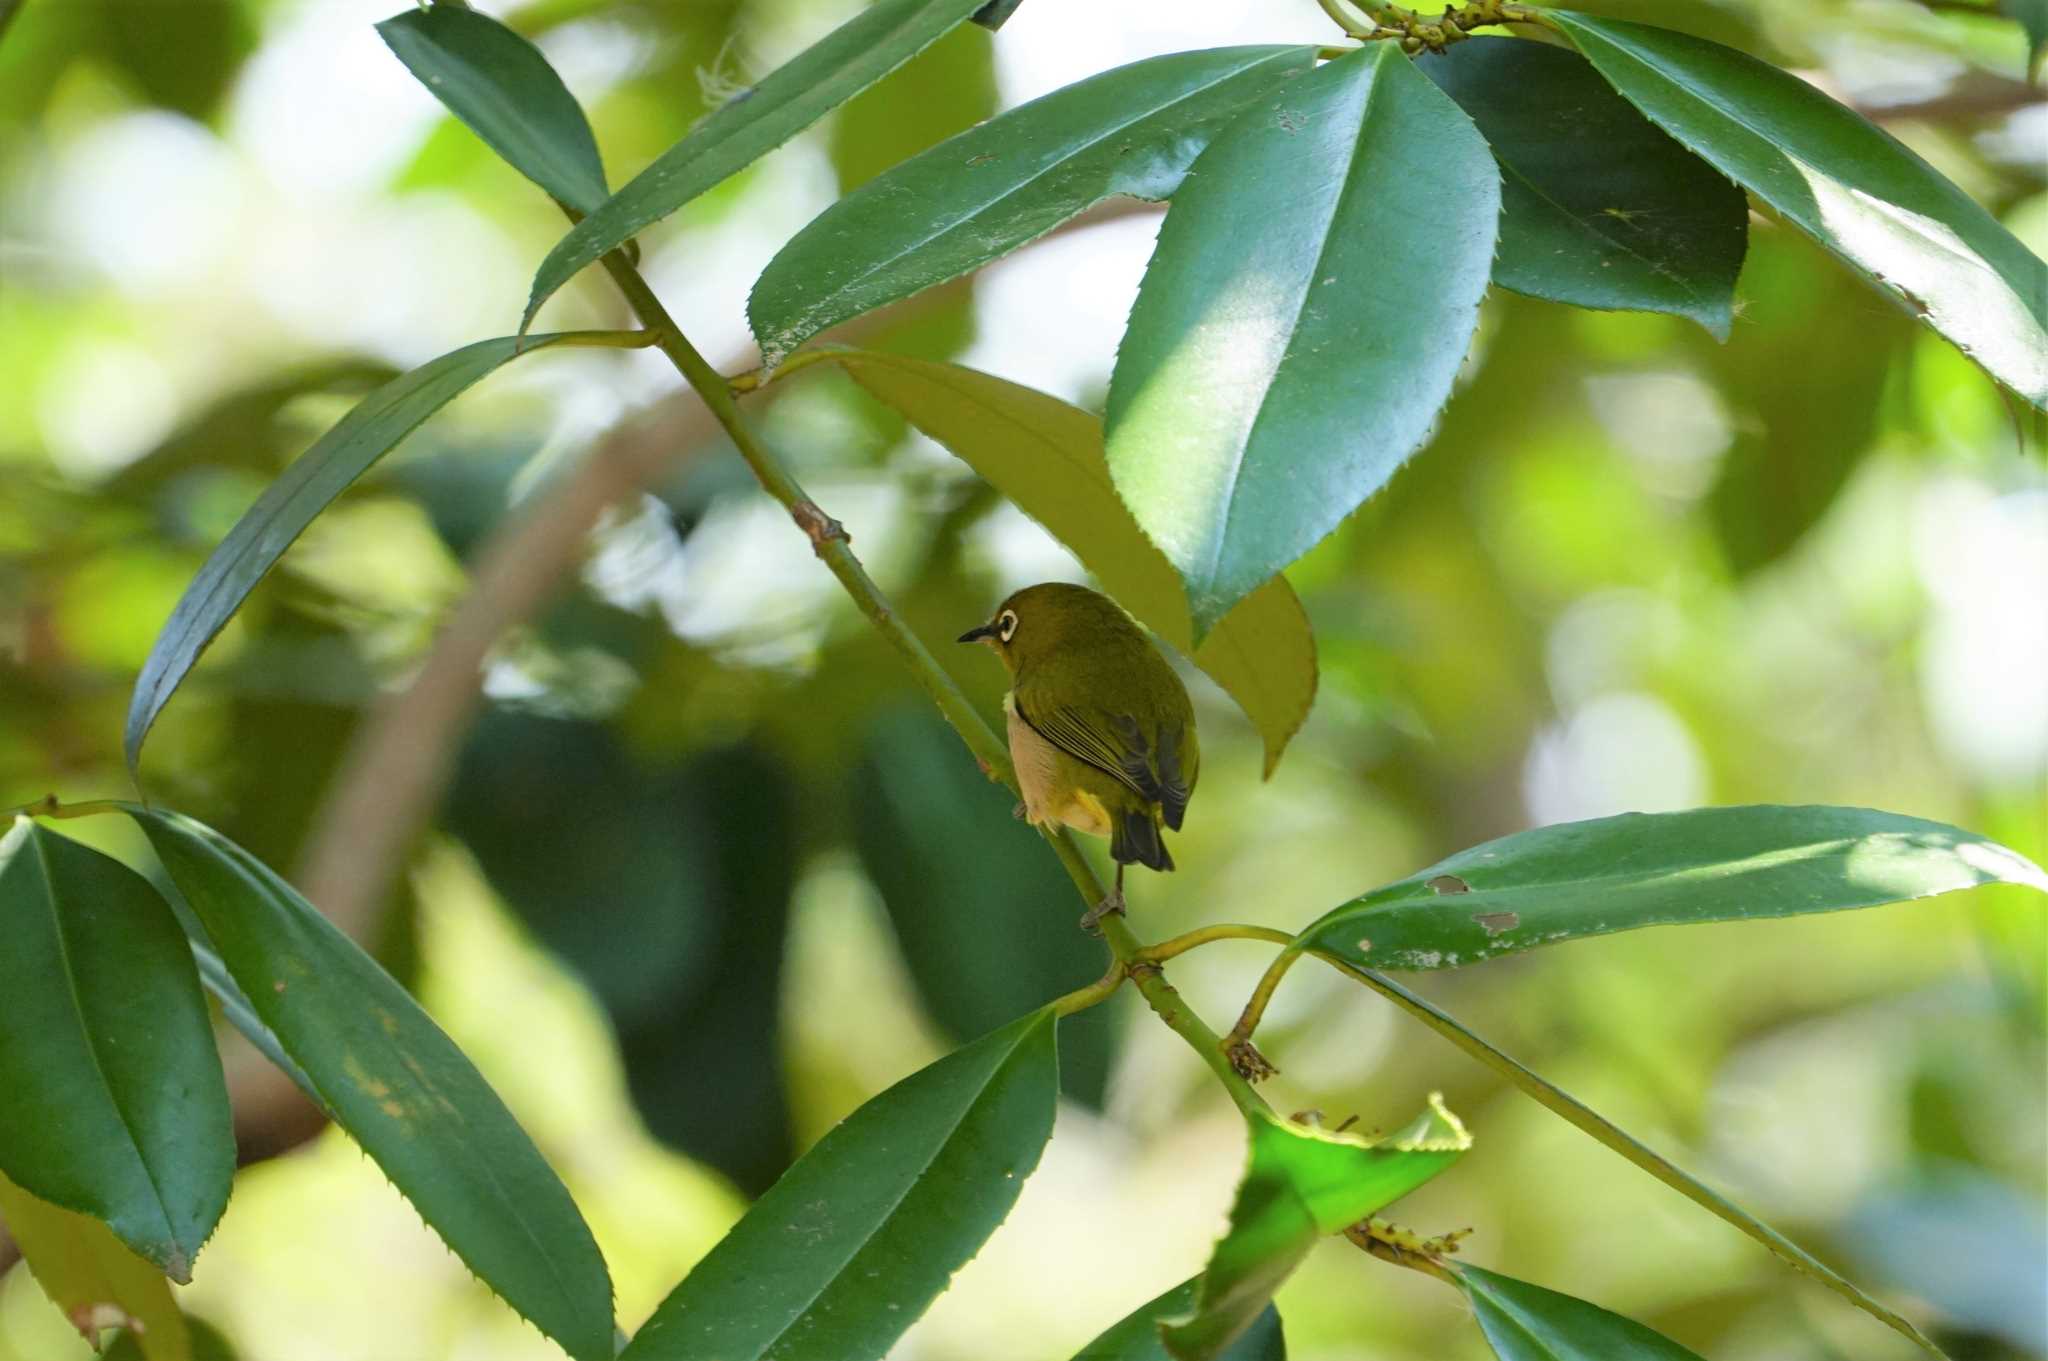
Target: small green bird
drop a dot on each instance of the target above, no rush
(1101, 730)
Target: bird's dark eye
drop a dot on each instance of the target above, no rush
(1006, 625)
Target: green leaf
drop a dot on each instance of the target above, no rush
(1578, 879)
(1136, 1338)
(398, 1085)
(931, 829)
(115, 1102)
(499, 84)
(1047, 458)
(1845, 182)
(862, 1234)
(751, 124)
(978, 196)
(1525, 1322)
(1312, 296)
(290, 503)
(1568, 1107)
(1299, 1184)
(1599, 207)
(89, 1275)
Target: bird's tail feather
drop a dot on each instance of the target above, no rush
(1135, 839)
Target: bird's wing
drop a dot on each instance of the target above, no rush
(1118, 745)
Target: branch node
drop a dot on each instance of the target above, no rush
(1245, 1057)
(817, 526)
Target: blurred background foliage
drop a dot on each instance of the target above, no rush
(710, 873)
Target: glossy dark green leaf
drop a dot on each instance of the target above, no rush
(1599, 207)
(115, 1104)
(86, 1272)
(1312, 296)
(1300, 1184)
(862, 1234)
(1046, 457)
(978, 196)
(1136, 1337)
(398, 1085)
(1851, 186)
(499, 84)
(751, 124)
(681, 939)
(1578, 879)
(1525, 1322)
(291, 502)
(932, 833)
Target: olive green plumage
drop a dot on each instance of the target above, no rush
(1101, 730)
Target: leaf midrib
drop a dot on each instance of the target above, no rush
(128, 1125)
(1235, 476)
(1592, 228)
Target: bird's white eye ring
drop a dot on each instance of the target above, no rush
(1006, 625)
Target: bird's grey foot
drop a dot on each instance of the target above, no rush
(1020, 812)
(1110, 906)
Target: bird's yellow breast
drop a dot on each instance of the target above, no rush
(1043, 777)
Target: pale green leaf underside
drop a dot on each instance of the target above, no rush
(1046, 456)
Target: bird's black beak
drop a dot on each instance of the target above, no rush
(976, 635)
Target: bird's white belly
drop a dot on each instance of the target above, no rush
(1038, 765)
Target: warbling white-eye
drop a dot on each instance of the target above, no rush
(1101, 730)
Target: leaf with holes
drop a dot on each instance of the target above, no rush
(1312, 296)
(844, 1253)
(398, 1085)
(1599, 207)
(1845, 182)
(1579, 879)
(978, 196)
(1300, 1184)
(116, 1106)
